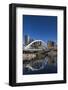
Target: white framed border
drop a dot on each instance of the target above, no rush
(19, 56)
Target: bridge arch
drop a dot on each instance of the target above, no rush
(43, 44)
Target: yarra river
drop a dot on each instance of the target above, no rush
(42, 66)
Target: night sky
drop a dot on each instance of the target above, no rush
(40, 27)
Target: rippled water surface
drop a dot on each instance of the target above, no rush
(40, 66)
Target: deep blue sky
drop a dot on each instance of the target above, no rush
(40, 27)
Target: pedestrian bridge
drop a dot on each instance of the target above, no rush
(36, 45)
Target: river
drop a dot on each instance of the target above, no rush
(43, 66)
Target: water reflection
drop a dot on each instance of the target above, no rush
(42, 66)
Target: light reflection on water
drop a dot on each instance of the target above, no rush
(47, 65)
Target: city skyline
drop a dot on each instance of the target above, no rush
(40, 27)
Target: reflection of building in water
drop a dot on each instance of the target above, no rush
(29, 56)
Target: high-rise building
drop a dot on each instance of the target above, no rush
(27, 39)
(50, 44)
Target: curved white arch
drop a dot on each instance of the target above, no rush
(28, 46)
